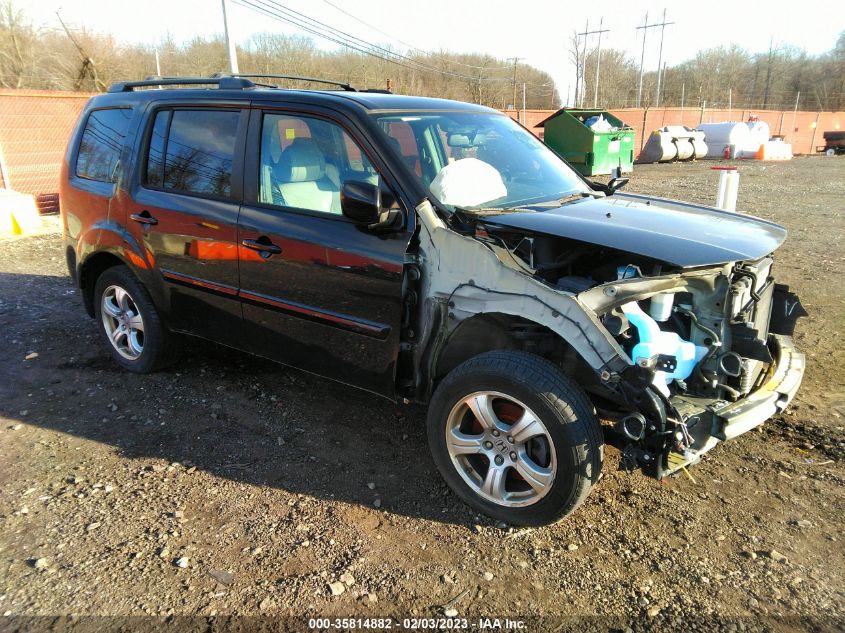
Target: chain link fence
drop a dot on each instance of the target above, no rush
(34, 129)
(35, 126)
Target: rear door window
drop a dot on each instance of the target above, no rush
(198, 149)
(155, 158)
(102, 142)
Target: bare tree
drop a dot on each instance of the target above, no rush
(41, 58)
(17, 37)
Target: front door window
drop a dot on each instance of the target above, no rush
(304, 162)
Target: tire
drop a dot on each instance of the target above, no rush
(562, 457)
(144, 344)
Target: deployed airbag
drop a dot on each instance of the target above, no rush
(468, 182)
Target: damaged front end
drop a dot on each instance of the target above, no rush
(712, 357)
(679, 356)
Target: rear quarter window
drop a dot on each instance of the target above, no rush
(101, 144)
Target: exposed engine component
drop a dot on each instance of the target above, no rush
(633, 426)
(654, 343)
(567, 264)
(731, 364)
(661, 305)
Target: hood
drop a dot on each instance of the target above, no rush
(677, 233)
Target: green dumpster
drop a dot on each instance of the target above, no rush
(590, 151)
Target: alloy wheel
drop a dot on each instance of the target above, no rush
(123, 323)
(501, 449)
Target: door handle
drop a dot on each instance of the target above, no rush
(263, 247)
(143, 218)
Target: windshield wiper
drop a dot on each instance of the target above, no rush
(490, 210)
(559, 202)
(548, 204)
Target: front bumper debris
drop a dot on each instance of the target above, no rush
(728, 420)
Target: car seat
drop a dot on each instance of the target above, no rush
(303, 182)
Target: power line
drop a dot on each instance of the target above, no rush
(347, 44)
(411, 46)
(321, 29)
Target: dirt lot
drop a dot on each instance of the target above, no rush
(229, 485)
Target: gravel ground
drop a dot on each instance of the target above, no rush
(232, 486)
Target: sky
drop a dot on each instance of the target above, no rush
(538, 31)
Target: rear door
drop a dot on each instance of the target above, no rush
(318, 291)
(184, 211)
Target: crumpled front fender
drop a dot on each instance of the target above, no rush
(473, 278)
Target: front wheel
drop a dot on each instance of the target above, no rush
(515, 438)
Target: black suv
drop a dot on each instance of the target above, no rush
(429, 251)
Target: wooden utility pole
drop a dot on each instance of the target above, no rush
(230, 43)
(663, 26)
(523, 103)
(587, 32)
(515, 60)
(768, 76)
(645, 27)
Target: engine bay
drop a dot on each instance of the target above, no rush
(699, 339)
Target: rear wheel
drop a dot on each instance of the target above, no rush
(128, 321)
(515, 438)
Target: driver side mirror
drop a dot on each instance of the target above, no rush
(367, 204)
(617, 180)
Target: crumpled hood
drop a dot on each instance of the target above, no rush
(677, 233)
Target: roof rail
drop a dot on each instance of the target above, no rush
(330, 82)
(223, 82)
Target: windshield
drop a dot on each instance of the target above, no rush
(478, 160)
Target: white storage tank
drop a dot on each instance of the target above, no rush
(759, 133)
(699, 145)
(673, 142)
(720, 135)
(680, 137)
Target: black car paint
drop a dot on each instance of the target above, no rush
(677, 233)
(298, 318)
(201, 292)
(330, 302)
